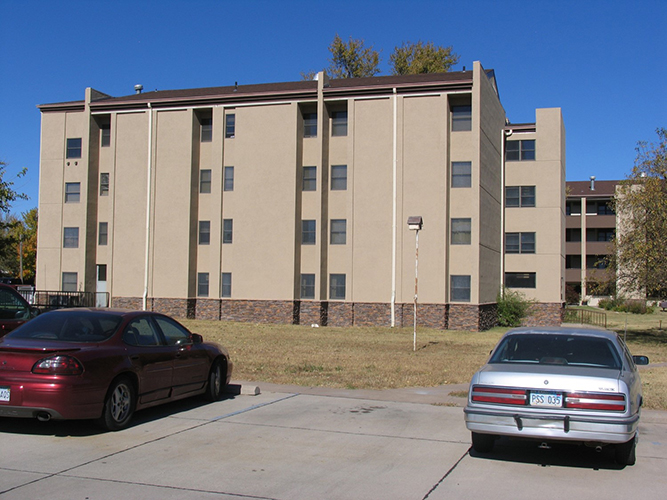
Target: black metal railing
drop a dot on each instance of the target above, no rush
(47, 299)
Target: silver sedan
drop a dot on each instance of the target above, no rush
(558, 384)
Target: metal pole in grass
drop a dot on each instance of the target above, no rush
(415, 223)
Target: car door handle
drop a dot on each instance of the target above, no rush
(134, 358)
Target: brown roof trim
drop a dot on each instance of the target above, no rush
(577, 189)
(63, 106)
(521, 127)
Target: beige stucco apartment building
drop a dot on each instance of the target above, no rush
(288, 202)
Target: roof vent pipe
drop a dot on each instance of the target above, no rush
(138, 88)
(592, 183)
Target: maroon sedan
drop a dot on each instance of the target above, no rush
(14, 309)
(104, 364)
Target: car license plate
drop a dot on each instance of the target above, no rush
(4, 393)
(548, 399)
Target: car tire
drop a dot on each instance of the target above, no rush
(217, 381)
(625, 453)
(119, 405)
(482, 443)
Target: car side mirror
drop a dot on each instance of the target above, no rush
(640, 360)
(197, 339)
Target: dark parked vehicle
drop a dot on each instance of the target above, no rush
(14, 309)
(104, 364)
(558, 384)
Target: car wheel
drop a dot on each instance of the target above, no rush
(482, 443)
(625, 452)
(119, 405)
(217, 378)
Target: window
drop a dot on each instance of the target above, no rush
(461, 230)
(460, 288)
(74, 148)
(600, 207)
(573, 262)
(71, 237)
(72, 192)
(519, 242)
(572, 234)
(69, 282)
(336, 287)
(339, 123)
(229, 179)
(141, 332)
(105, 135)
(307, 286)
(206, 129)
(227, 230)
(461, 174)
(104, 184)
(520, 280)
(520, 196)
(103, 233)
(309, 179)
(338, 177)
(461, 118)
(204, 181)
(308, 234)
(596, 262)
(172, 331)
(202, 284)
(204, 232)
(520, 150)
(310, 124)
(226, 285)
(230, 126)
(599, 234)
(101, 272)
(573, 207)
(338, 231)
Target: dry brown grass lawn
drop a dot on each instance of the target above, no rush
(382, 357)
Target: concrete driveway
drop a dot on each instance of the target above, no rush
(312, 444)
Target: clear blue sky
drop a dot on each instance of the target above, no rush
(603, 62)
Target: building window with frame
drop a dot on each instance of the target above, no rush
(520, 280)
(205, 181)
(519, 196)
(227, 230)
(226, 285)
(573, 207)
(521, 150)
(597, 261)
(307, 286)
(69, 282)
(103, 233)
(308, 232)
(101, 272)
(105, 135)
(202, 284)
(461, 118)
(461, 231)
(573, 234)
(309, 179)
(104, 184)
(336, 287)
(461, 174)
(598, 234)
(310, 125)
(206, 129)
(573, 261)
(338, 231)
(339, 123)
(338, 177)
(460, 288)
(230, 126)
(74, 148)
(519, 242)
(71, 237)
(228, 184)
(72, 192)
(204, 232)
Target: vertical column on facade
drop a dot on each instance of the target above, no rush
(584, 251)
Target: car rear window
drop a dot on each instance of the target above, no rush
(69, 326)
(557, 350)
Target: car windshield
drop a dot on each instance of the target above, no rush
(69, 326)
(557, 350)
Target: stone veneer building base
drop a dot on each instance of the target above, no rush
(439, 316)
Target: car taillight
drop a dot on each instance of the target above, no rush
(594, 401)
(58, 365)
(500, 395)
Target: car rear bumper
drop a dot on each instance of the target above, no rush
(602, 429)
